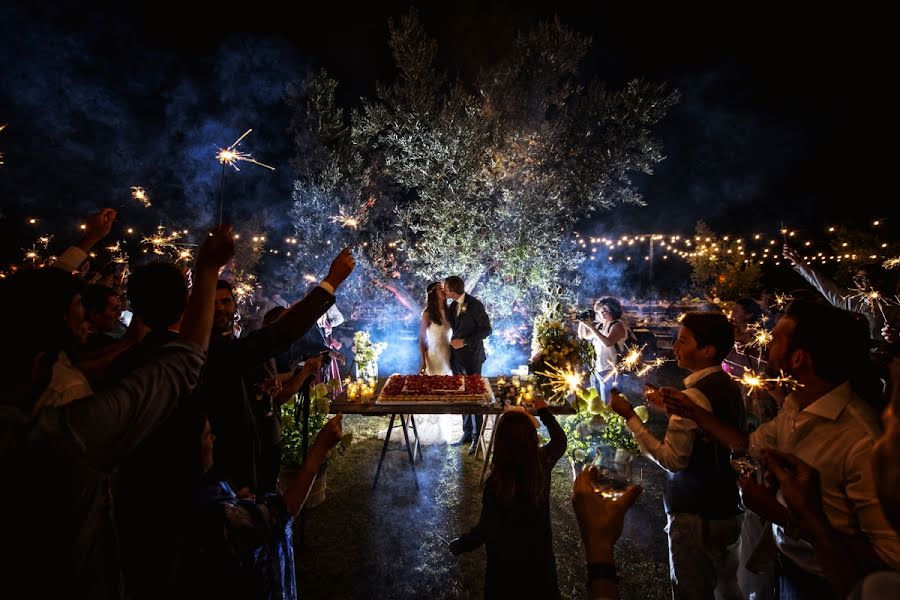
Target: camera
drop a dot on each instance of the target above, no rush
(587, 314)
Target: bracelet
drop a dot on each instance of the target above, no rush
(601, 570)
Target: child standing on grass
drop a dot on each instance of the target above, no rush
(515, 509)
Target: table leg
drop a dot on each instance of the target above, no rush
(387, 439)
(490, 449)
(409, 451)
(418, 451)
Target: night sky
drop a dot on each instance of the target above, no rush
(779, 117)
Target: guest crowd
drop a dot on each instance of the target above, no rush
(143, 461)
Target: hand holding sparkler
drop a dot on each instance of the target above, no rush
(620, 405)
(791, 255)
(217, 249)
(97, 227)
(340, 268)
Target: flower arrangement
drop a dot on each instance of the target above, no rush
(366, 355)
(556, 347)
(595, 425)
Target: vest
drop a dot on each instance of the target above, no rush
(708, 486)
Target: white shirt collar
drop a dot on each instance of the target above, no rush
(698, 375)
(461, 299)
(831, 405)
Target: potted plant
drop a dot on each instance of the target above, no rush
(292, 437)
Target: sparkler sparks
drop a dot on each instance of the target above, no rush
(648, 367)
(141, 196)
(346, 220)
(754, 381)
(562, 381)
(782, 300)
(891, 263)
(244, 287)
(44, 240)
(231, 155)
(870, 298)
(161, 242)
(32, 255)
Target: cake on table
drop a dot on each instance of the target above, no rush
(435, 389)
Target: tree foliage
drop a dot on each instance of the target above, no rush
(432, 176)
(722, 267)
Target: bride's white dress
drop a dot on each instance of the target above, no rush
(433, 429)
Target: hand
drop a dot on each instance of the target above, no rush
(759, 498)
(340, 358)
(599, 519)
(620, 405)
(800, 488)
(678, 403)
(340, 268)
(217, 249)
(651, 392)
(313, 364)
(98, 226)
(539, 404)
(457, 343)
(331, 433)
(890, 334)
(791, 254)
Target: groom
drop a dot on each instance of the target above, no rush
(470, 325)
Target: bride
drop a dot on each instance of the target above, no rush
(434, 333)
(434, 349)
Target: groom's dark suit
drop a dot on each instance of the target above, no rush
(471, 324)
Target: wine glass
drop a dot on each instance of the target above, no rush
(613, 473)
(742, 461)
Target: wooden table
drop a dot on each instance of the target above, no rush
(406, 412)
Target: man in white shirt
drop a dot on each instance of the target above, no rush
(700, 496)
(825, 424)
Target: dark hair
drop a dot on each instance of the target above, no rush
(614, 306)
(455, 284)
(95, 297)
(817, 326)
(158, 294)
(517, 474)
(433, 308)
(221, 284)
(751, 308)
(711, 329)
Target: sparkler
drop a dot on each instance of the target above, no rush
(162, 242)
(32, 255)
(244, 287)
(230, 156)
(869, 297)
(782, 300)
(754, 381)
(891, 263)
(44, 240)
(346, 220)
(140, 195)
(562, 381)
(648, 367)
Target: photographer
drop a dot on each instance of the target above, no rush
(607, 333)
